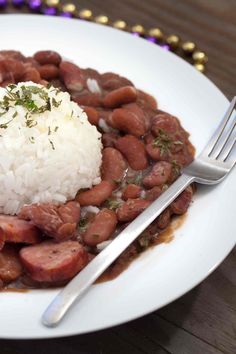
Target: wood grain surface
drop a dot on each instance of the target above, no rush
(204, 320)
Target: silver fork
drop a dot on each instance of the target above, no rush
(210, 167)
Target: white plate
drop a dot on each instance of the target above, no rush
(168, 271)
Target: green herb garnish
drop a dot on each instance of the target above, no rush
(83, 224)
(135, 180)
(52, 145)
(113, 204)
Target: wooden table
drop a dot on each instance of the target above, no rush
(203, 320)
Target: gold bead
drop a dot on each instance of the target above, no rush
(69, 8)
(156, 33)
(173, 41)
(85, 14)
(120, 24)
(200, 67)
(52, 3)
(188, 47)
(200, 57)
(138, 29)
(102, 19)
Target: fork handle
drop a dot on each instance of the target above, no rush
(81, 282)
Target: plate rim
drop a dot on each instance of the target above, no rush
(140, 314)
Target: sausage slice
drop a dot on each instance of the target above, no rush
(52, 262)
(18, 231)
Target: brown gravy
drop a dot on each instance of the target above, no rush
(164, 237)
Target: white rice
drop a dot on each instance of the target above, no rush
(51, 160)
(93, 86)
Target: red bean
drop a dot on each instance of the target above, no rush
(155, 151)
(47, 57)
(129, 122)
(88, 99)
(43, 82)
(132, 191)
(109, 139)
(58, 83)
(159, 174)
(153, 193)
(113, 165)
(89, 73)
(71, 76)
(146, 100)
(96, 195)
(11, 54)
(165, 122)
(2, 238)
(31, 74)
(134, 151)
(163, 219)
(10, 66)
(92, 113)
(120, 96)
(101, 228)
(129, 210)
(182, 202)
(111, 81)
(31, 62)
(48, 71)
(139, 113)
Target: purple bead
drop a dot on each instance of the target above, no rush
(50, 11)
(3, 3)
(136, 34)
(34, 5)
(66, 14)
(151, 39)
(18, 3)
(165, 46)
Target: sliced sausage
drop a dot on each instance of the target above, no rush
(101, 228)
(92, 113)
(132, 191)
(159, 175)
(113, 165)
(18, 231)
(129, 210)
(71, 76)
(134, 151)
(182, 202)
(128, 122)
(47, 57)
(57, 222)
(10, 266)
(51, 262)
(48, 71)
(120, 96)
(96, 195)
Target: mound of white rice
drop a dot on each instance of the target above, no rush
(48, 149)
